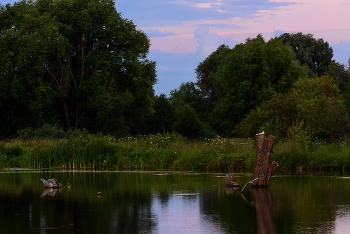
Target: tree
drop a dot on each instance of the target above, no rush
(207, 69)
(188, 124)
(247, 75)
(340, 72)
(162, 118)
(315, 54)
(75, 63)
(313, 103)
(189, 94)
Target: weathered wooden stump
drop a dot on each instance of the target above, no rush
(264, 168)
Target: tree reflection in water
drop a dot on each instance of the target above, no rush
(265, 205)
(142, 202)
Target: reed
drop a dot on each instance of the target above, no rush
(169, 151)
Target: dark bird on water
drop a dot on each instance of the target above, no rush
(50, 183)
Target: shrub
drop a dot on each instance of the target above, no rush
(49, 132)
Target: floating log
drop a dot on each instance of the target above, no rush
(264, 168)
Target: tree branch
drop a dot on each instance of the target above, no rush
(250, 182)
(62, 75)
(87, 106)
(92, 51)
(55, 81)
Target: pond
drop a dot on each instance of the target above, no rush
(171, 202)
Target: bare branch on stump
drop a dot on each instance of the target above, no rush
(264, 168)
(250, 182)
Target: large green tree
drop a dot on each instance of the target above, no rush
(75, 63)
(316, 54)
(313, 103)
(245, 76)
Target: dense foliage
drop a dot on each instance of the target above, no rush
(231, 82)
(162, 119)
(250, 74)
(287, 86)
(313, 104)
(75, 64)
(313, 53)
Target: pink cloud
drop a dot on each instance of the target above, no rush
(327, 20)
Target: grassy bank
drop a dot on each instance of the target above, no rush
(169, 151)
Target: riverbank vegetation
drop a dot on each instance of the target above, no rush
(170, 151)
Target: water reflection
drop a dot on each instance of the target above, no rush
(50, 192)
(230, 191)
(140, 202)
(265, 206)
(182, 213)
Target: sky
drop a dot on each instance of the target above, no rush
(184, 32)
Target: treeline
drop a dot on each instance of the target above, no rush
(79, 65)
(288, 86)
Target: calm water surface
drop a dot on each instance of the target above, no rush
(171, 202)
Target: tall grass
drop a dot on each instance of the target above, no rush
(169, 151)
(314, 155)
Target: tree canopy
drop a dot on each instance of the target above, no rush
(312, 103)
(313, 53)
(243, 77)
(74, 63)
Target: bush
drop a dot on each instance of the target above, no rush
(299, 133)
(49, 132)
(313, 101)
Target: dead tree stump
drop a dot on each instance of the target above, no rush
(264, 168)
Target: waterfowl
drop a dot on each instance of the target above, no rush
(50, 183)
(230, 181)
(99, 194)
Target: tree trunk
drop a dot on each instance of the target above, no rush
(66, 116)
(264, 168)
(76, 124)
